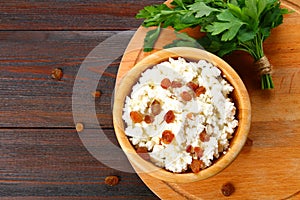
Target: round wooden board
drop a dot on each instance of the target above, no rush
(270, 167)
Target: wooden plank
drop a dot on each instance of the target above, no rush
(54, 163)
(29, 97)
(71, 14)
(266, 170)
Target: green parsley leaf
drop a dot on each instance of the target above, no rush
(154, 15)
(201, 9)
(250, 9)
(184, 40)
(151, 38)
(179, 3)
(229, 25)
(246, 35)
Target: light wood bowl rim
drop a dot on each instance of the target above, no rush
(240, 95)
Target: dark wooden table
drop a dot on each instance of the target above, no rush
(41, 153)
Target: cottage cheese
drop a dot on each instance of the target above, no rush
(211, 113)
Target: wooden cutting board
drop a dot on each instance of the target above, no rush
(270, 167)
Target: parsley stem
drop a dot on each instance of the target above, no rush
(255, 49)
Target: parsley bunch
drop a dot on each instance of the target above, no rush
(229, 25)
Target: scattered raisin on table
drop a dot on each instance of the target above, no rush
(227, 189)
(79, 127)
(249, 142)
(96, 94)
(111, 180)
(57, 73)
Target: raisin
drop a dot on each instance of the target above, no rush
(249, 142)
(57, 73)
(196, 165)
(227, 189)
(167, 137)
(165, 83)
(200, 90)
(155, 107)
(176, 84)
(111, 180)
(189, 148)
(204, 137)
(198, 152)
(136, 116)
(190, 115)
(192, 85)
(169, 117)
(96, 94)
(186, 96)
(143, 152)
(149, 119)
(79, 127)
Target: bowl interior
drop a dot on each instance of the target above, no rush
(239, 96)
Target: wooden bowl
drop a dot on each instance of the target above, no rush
(239, 95)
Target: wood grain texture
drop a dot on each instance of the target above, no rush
(54, 163)
(268, 169)
(71, 14)
(41, 155)
(29, 97)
